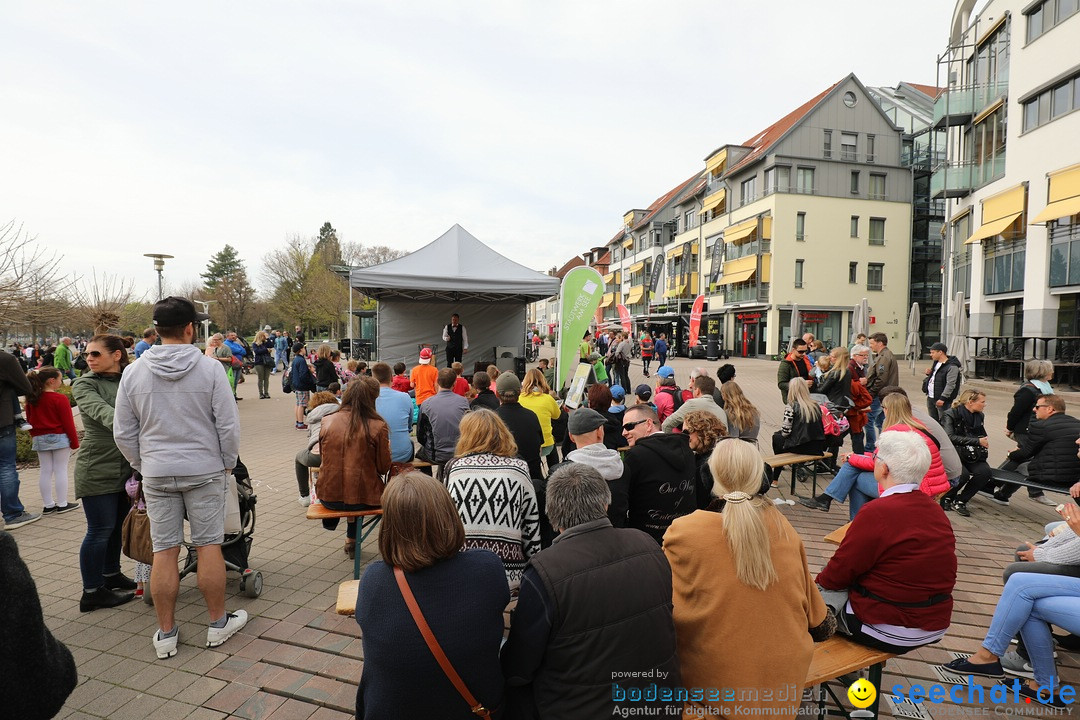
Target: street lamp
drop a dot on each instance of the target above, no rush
(206, 323)
(159, 266)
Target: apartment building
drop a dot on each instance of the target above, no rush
(1012, 176)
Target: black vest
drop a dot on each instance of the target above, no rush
(455, 336)
(610, 589)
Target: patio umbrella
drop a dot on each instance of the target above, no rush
(912, 344)
(793, 329)
(958, 341)
(860, 319)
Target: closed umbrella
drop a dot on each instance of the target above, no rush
(860, 319)
(958, 341)
(793, 329)
(912, 344)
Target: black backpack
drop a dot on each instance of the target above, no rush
(676, 395)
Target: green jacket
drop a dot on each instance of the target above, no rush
(62, 357)
(787, 372)
(100, 467)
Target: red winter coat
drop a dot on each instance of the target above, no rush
(933, 483)
(862, 399)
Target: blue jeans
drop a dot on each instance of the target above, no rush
(861, 486)
(9, 476)
(873, 425)
(1028, 602)
(100, 551)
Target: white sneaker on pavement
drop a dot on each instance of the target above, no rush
(165, 647)
(1043, 500)
(304, 500)
(236, 621)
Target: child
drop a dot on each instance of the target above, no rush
(598, 368)
(461, 385)
(335, 388)
(644, 394)
(133, 486)
(821, 367)
(53, 436)
(401, 380)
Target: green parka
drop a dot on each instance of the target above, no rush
(100, 467)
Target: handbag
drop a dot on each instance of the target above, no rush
(972, 453)
(136, 543)
(477, 707)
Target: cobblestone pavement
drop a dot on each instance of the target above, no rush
(298, 659)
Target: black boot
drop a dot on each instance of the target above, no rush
(119, 581)
(104, 597)
(821, 502)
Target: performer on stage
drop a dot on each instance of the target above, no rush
(456, 339)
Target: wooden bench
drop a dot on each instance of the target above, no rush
(839, 656)
(837, 536)
(795, 461)
(369, 519)
(346, 597)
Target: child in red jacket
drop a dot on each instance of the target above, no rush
(53, 436)
(401, 381)
(461, 385)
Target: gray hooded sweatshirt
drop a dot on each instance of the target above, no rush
(175, 414)
(605, 461)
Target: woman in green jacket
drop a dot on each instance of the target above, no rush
(100, 473)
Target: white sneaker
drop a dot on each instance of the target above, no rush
(165, 647)
(1012, 663)
(1043, 500)
(216, 636)
(304, 500)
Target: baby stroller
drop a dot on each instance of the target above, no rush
(236, 546)
(835, 432)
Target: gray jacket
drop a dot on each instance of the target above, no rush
(175, 414)
(705, 402)
(444, 411)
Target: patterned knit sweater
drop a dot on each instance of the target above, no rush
(495, 498)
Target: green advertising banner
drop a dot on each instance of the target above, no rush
(580, 295)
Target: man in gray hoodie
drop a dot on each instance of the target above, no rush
(586, 430)
(176, 422)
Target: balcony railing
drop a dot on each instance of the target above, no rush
(849, 155)
(957, 106)
(957, 180)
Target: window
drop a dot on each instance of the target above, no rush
(688, 220)
(798, 273)
(877, 186)
(877, 231)
(984, 146)
(1047, 14)
(1051, 103)
(848, 144)
(777, 179)
(852, 272)
(804, 180)
(875, 275)
(827, 150)
(1065, 251)
(854, 182)
(961, 254)
(870, 148)
(1003, 265)
(800, 227)
(854, 226)
(1061, 102)
(748, 191)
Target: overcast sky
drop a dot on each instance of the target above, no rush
(130, 128)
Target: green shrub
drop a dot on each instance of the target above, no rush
(66, 390)
(24, 455)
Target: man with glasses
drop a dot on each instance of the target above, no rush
(794, 365)
(660, 473)
(1049, 450)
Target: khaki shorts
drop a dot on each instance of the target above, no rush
(199, 498)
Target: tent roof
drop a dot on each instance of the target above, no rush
(454, 267)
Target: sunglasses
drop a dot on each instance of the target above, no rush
(1041, 406)
(96, 353)
(631, 425)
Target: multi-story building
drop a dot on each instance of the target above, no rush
(814, 214)
(1012, 177)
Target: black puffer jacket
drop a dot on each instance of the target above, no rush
(1051, 448)
(1023, 409)
(662, 474)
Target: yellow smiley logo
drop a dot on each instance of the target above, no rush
(862, 693)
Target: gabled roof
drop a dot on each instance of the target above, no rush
(572, 263)
(928, 90)
(771, 135)
(664, 200)
(604, 259)
(453, 267)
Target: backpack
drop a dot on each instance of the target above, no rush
(676, 396)
(286, 380)
(833, 425)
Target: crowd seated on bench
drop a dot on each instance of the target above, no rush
(1047, 451)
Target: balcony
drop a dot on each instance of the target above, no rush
(957, 180)
(958, 106)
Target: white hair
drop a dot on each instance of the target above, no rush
(859, 349)
(906, 454)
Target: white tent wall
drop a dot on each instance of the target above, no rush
(403, 325)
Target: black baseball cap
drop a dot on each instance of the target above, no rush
(176, 311)
(940, 347)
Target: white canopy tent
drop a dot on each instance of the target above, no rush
(456, 273)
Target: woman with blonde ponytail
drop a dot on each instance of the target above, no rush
(740, 580)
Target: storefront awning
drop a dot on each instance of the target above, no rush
(637, 267)
(735, 233)
(636, 293)
(992, 228)
(738, 277)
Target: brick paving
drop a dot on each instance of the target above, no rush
(297, 659)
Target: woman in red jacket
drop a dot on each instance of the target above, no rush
(53, 436)
(855, 480)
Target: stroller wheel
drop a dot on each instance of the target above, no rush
(251, 583)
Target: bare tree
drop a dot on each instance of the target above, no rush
(359, 255)
(103, 300)
(34, 291)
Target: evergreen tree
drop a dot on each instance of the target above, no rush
(222, 265)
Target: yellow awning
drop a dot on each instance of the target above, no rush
(636, 293)
(766, 267)
(716, 162)
(608, 300)
(766, 228)
(736, 233)
(1059, 209)
(675, 252)
(731, 278)
(628, 243)
(693, 248)
(714, 200)
(1007, 202)
(988, 111)
(992, 228)
(609, 278)
(636, 267)
(677, 291)
(991, 30)
(742, 264)
(1064, 184)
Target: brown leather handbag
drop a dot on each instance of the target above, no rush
(477, 707)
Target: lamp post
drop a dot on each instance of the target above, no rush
(159, 266)
(206, 323)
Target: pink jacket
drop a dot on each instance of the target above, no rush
(935, 480)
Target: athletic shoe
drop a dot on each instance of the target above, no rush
(961, 509)
(236, 621)
(1000, 499)
(961, 666)
(23, 519)
(947, 504)
(23, 425)
(49, 511)
(1043, 500)
(301, 426)
(1013, 664)
(61, 509)
(165, 647)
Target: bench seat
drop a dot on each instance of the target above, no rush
(839, 656)
(999, 475)
(793, 461)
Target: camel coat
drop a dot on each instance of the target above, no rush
(734, 637)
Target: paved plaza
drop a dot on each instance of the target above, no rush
(298, 660)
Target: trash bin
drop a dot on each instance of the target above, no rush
(712, 351)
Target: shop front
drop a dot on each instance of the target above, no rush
(826, 325)
(751, 331)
